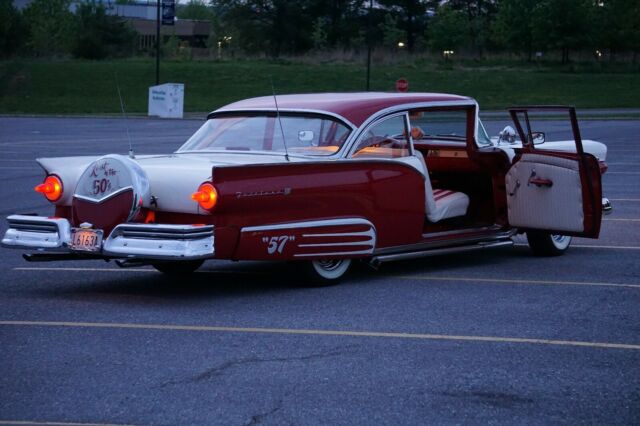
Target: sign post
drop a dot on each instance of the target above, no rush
(402, 85)
(168, 18)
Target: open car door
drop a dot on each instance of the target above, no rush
(553, 191)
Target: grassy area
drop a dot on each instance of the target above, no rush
(85, 87)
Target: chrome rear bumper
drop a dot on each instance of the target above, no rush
(607, 208)
(126, 241)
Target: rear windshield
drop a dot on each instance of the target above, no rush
(302, 134)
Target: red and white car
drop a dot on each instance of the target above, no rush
(321, 180)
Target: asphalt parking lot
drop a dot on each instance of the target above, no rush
(483, 337)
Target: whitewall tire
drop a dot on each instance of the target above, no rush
(327, 271)
(545, 244)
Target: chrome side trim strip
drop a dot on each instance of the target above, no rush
(331, 254)
(436, 252)
(350, 243)
(309, 224)
(430, 245)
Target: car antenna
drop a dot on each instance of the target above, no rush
(275, 100)
(124, 115)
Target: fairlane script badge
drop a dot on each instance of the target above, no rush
(285, 191)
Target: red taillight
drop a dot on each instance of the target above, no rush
(206, 196)
(50, 188)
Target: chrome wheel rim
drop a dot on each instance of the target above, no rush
(331, 269)
(560, 241)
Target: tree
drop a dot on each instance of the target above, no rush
(564, 25)
(391, 34)
(413, 17)
(449, 29)
(618, 26)
(51, 26)
(275, 26)
(479, 14)
(99, 35)
(196, 9)
(512, 26)
(13, 29)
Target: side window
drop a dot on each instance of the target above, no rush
(443, 125)
(385, 139)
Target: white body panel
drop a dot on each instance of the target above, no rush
(170, 176)
(595, 148)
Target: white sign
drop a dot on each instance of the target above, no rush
(166, 100)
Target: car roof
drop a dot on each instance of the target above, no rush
(355, 107)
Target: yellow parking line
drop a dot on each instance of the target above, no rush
(510, 281)
(312, 332)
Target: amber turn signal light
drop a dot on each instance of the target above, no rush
(206, 196)
(50, 188)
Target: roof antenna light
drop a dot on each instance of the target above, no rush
(275, 100)
(124, 115)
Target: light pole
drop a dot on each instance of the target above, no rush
(158, 43)
(369, 45)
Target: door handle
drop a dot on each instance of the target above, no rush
(539, 182)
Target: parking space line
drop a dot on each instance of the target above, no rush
(624, 199)
(520, 281)
(621, 220)
(138, 270)
(84, 269)
(319, 332)
(623, 173)
(37, 423)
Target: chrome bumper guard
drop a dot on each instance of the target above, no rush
(37, 232)
(152, 241)
(129, 241)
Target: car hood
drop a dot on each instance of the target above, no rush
(172, 177)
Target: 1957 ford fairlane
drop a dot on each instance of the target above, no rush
(322, 179)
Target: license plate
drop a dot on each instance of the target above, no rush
(86, 239)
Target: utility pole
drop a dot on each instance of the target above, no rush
(158, 43)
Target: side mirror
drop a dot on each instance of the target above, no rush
(538, 137)
(305, 135)
(508, 135)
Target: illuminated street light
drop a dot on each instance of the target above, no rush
(400, 44)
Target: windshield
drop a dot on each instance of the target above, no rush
(303, 134)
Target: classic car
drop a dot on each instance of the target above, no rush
(321, 180)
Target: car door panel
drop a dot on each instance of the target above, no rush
(552, 191)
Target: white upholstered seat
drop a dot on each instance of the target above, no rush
(442, 203)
